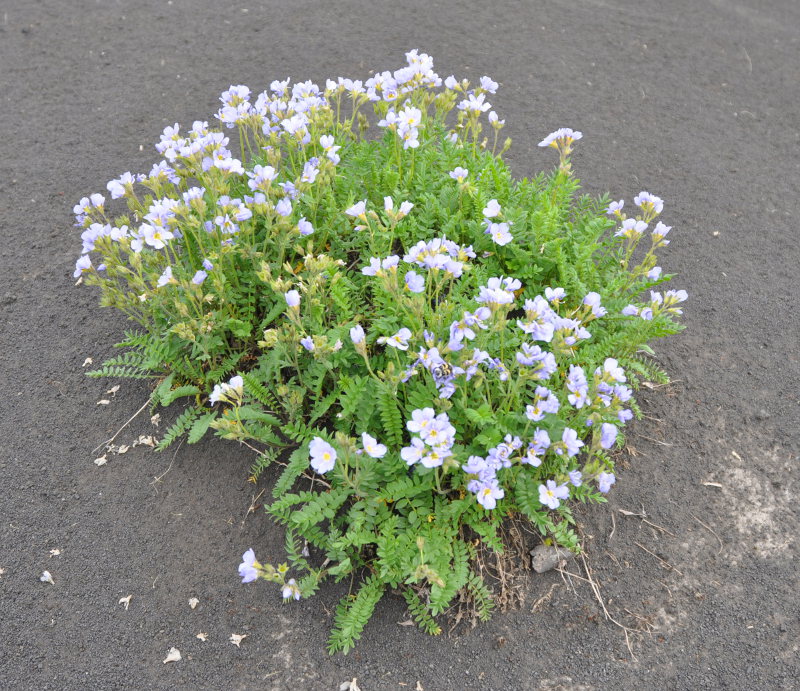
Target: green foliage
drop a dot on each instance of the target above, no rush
(353, 614)
(335, 341)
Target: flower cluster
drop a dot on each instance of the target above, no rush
(434, 441)
(441, 342)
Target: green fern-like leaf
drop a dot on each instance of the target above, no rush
(258, 391)
(421, 613)
(481, 596)
(352, 616)
(200, 427)
(391, 417)
(297, 463)
(179, 427)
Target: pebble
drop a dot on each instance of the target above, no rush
(546, 558)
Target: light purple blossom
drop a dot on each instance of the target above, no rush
(551, 494)
(630, 310)
(498, 291)
(357, 334)
(398, 340)
(358, 209)
(284, 207)
(371, 446)
(292, 298)
(570, 443)
(323, 455)
(649, 202)
(308, 343)
(488, 495)
(414, 282)
(290, 590)
(165, 277)
(615, 207)
(83, 264)
(608, 435)
(576, 478)
(207, 265)
(561, 137)
(420, 419)
(488, 84)
(492, 209)
(459, 174)
(541, 362)
(578, 386)
(499, 233)
(248, 569)
(593, 300)
(121, 186)
(305, 226)
(475, 104)
(604, 481)
(199, 277)
(631, 228)
(412, 454)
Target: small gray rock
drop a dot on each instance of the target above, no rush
(546, 558)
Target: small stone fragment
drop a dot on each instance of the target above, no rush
(545, 558)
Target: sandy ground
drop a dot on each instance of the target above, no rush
(693, 100)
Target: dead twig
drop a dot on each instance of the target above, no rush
(132, 418)
(159, 477)
(664, 563)
(708, 528)
(643, 516)
(596, 590)
(544, 598)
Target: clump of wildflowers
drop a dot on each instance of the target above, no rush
(435, 345)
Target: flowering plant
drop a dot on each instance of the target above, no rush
(436, 345)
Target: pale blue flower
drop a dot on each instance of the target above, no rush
(308, 343)
(371, 446)
(412, 454)
(165, 277)
(83, 264)
(358, 209)
(414, 282)
(249, 567)
(499, 233)
(398, 340)
(357, 334)
(608, 435)
(488, 84)
(561, 137)
(460, 174)
(305, 226)
(292, 298)
(551, 494)
(492, 209)
(290, 590)
(488, 495)
(284, 207)
(323, 455)
(649, 202)
(199, 277)
(604, 481)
